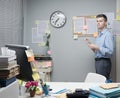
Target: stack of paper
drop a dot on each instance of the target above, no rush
(9, 68)
(7, 73)
(106, 91)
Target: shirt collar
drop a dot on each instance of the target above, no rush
(102, 32)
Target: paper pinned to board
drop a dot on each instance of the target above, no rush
(75, 36)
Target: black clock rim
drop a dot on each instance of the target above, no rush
(61, 25)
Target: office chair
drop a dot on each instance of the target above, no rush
(94, 77)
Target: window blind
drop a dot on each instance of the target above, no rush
(11, 23)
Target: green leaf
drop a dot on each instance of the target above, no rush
(48, 36)
(47, 43)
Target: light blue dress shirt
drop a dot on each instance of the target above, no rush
(105, 42)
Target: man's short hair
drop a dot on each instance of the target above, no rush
(102, 15)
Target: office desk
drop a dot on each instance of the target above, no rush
(71, 85)
(57, 86)
(10, 91)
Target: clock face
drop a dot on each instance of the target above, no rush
(57, 19)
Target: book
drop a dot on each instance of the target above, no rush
(5, 82)
(9, 72)
(44, 63)
(94, 96)
(105, 93)
(98, 95)
(6, 72)
(109, 85)
(13, 74)
(9, 68)
(7, 58)
(8, 64)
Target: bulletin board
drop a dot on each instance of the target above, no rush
(84, 26)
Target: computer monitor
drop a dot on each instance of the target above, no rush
(25, 66)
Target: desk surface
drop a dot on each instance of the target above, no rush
(57, 86)
(71, 85)
(10, 91)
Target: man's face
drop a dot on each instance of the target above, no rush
(101, 23)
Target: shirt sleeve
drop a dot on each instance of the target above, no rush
(107, 48)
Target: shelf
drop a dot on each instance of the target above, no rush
(42, 58)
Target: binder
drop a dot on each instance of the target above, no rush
(6, 82)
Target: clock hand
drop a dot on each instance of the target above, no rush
(57, 20)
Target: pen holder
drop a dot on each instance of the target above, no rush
(46, 89)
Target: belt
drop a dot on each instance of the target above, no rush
(97, 59)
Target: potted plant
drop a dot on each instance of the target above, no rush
(31, 87)
(47, 39)
(48, 44)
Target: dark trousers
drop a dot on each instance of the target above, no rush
(103, 67)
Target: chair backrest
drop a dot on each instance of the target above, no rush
(94, 77)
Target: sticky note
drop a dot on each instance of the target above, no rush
(30, 55)
(85, 27)
(74, 17)
(118, 11)
(95, 34)
(75, 36)
(35, 76)
(34, 69)
(117, 17)
(93, 16)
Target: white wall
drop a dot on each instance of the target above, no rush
(117, 45)
(117, 4)
(72, 59)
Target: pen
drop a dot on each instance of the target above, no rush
(61, 91)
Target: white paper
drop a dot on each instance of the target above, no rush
(36, 38)
(42, 27)
(39, 32)
(91, 25)
(116, 28)
(78, 24)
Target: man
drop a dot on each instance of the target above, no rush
(103, 47)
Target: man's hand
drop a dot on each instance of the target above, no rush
(87, 41)
(93, 47)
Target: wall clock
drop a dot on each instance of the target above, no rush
(57, 19)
